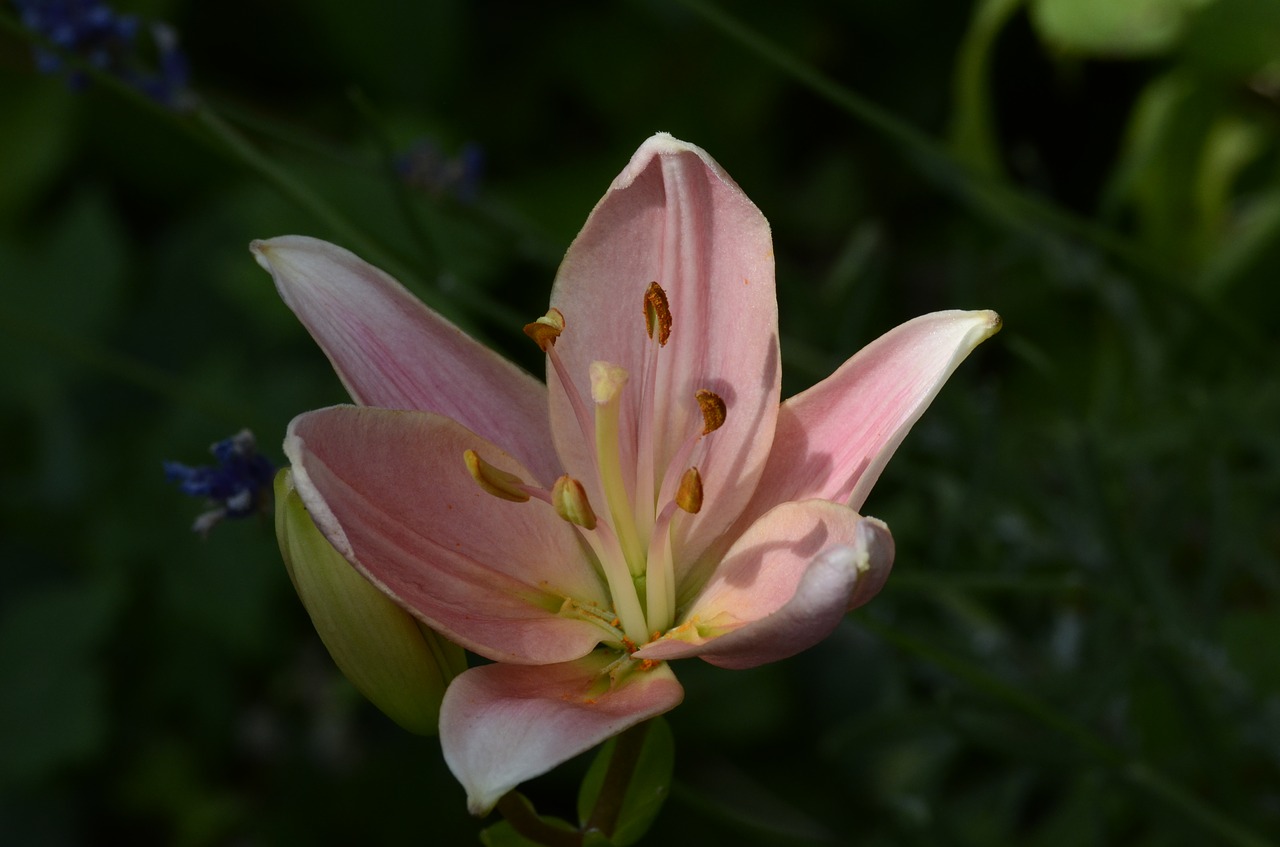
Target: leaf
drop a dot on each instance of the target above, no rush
(649, 785)
(973, 130)
(1131, 28)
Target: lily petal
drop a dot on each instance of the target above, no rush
(833, 441)
(675, 217)
(391, 492)
(392, 351)
(503, 724)
(783, 586)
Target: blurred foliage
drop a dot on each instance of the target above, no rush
(1079, 646)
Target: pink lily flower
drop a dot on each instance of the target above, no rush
(652, 501)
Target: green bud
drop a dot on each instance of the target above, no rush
(401, 666)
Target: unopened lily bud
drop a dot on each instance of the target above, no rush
(401, 666)
(570, 501)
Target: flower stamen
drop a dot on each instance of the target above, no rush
(657, 313)
(713, 410)
(689, 494)
(713, 417)
(660, 594)
(570, 501)
(495, 481)
(657, 322)
(546, 329)
(544, 332)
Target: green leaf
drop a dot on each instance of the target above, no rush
(646, 790)
(972, 131)
(1131, 28)
(1234, 38)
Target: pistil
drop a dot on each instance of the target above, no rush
(607, 382)
(633, 546)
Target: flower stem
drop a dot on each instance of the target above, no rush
(517, 812)
(622, 765)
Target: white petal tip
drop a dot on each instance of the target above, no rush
(481, 805)
(993, 325)
(260, 249)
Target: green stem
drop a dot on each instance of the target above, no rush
(1010, 207)
(622, 766)
(1135, 771)
(352, 236)
(519, 812)
(524, 820)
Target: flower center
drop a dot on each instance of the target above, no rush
(631, 540)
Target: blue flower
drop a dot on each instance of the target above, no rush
(238, 486)
(106, 40)
(426, 167)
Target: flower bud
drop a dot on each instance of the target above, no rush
(401, 666)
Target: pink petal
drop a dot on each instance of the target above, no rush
(783, 586)
(833, 440)
(391, 492)
(390, 350)
(675, 217)
(503, 724)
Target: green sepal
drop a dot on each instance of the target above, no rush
(402, 667)
(646, 791)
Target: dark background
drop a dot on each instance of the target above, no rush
(1079, 643)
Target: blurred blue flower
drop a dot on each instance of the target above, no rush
(426, 167)
(107, 40)
(238, 486)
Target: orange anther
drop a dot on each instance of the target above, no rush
(546, 329)
(713, 410)
(689, 494)
(657, 313)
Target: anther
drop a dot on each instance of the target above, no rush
(713, 410)
(499, 483)
(657, 313)
(546, 329)
(570, 501)
(689, 495)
